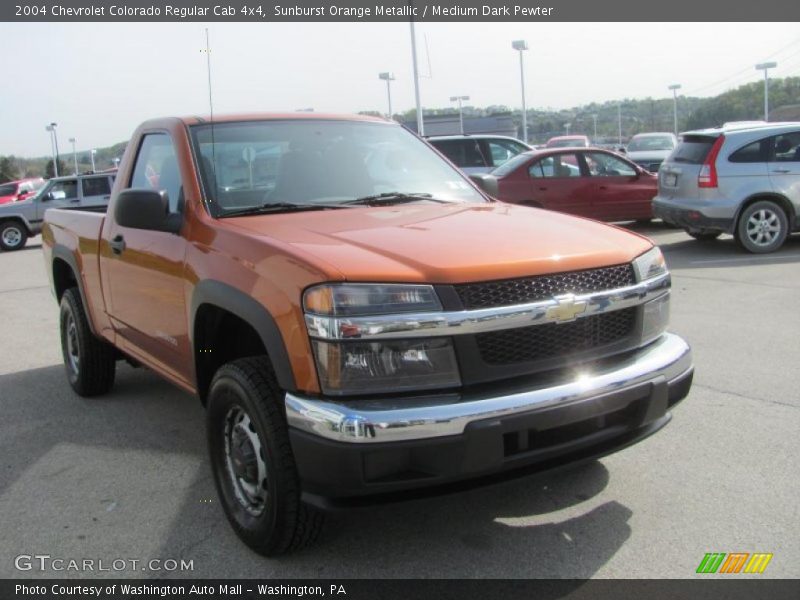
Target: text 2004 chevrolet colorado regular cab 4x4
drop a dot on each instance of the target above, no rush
(357, 318)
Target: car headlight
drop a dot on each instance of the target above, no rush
(650, 264)
(351, 366)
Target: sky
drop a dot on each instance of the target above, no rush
(99, 81)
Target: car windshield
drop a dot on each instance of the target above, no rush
(566, 143)
(643, 144)
(251, 164)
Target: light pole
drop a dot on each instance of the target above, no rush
(460, 110)
(388, 78)
(566, 127)
(91, 154)
(619, 122)
(74, 155)
(675, 87)
(420, 121)
(766, 67)
(594, 119)
(54, 143)
(521, 46)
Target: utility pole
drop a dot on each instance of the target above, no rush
(420, 121)
(619, 122)
(74, 155)
(675, 87)
(388, 78)
(594, 119)
(521, 46)
(766, 67)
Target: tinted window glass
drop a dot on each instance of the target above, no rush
(157, 168)
(787, 147)
(559, 165)
(692, 149)
(96, 186)
(605, 165)
(503, 150)
(463, 153)
(65, 190)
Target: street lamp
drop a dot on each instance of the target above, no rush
(74, 155)
(460, 110)
(619, 123)
(675, 87)
(420, 122)
(594, 119)
(521, 46)
(91, 154)
(388, 78)
(566, 127)
(766, 67)
(54, 145)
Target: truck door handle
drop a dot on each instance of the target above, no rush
(117, 244)
(781, 171)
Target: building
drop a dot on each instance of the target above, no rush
(449, 125)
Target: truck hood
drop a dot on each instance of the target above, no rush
(445, 243)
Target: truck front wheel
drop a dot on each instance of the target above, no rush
(13, 235)
(90, 362)
(252, 461)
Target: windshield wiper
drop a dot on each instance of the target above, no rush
(388, 198)
(277, 207)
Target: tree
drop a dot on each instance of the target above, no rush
(48, 170)
(8, 169)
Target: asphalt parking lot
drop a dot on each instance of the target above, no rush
(125, 476)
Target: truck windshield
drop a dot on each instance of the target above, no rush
(318, 161)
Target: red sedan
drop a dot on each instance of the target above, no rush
(588, 182)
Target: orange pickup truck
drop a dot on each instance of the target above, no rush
(358, 319)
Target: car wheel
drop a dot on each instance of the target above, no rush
(252, 461)
(13, 236)
(704, 236)
(90, 362)
(762, 227)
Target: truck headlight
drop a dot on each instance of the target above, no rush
(350, 366)
(650, 264)
(375, 367)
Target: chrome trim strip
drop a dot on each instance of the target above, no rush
(559, 309)
(394, 420)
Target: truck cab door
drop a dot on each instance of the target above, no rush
(145, 270)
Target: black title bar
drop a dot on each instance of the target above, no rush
(521, 11)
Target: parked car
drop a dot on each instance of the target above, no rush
(589, 182)
(648, 150)
(20, 220)
(345, 332)
(478, 153)
(742, 181)
(568, 141)
(14, 191)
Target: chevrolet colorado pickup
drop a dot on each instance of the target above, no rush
(356, 317)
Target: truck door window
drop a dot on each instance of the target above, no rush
(65, 190)
(157, 168)
(96, 186)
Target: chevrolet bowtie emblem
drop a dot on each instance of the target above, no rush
(566, 310)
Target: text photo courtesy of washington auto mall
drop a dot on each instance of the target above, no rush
(375, 299)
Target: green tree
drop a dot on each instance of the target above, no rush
(48, 170)
(8, 169)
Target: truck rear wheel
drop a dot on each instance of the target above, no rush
(90, 362)
(252, 461)
(13, 235)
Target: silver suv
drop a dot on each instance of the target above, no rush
(19, 220)
(741, 179)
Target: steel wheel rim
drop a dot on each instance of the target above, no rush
(12, 236)
(245, 464)
(73, 355)
(763, 227)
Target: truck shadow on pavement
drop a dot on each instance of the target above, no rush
(546, 525)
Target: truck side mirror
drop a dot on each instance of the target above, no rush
(146, 209)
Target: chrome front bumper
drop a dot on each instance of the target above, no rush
(366, 420)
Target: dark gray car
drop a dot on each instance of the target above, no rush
(742, 179)
(20, 220)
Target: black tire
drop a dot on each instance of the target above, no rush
(704, 236)
(261, 498)
(762, 227)
(89, 361)
(13, 236)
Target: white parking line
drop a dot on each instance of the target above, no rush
(745, 259)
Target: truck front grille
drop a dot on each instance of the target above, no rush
(531, 289)
(555, 340)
